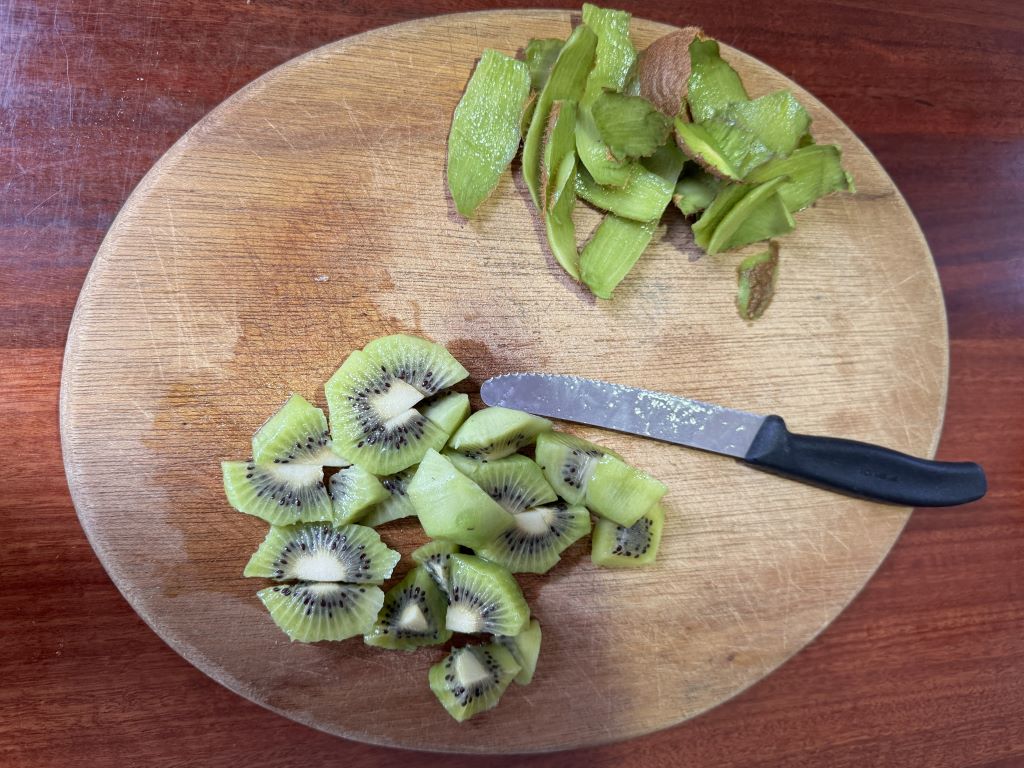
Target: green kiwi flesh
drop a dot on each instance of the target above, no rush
(616, 546)
(493, 433)
(312, 611)
(471, 679)
(534, 542)
(515, 482)
(319, 552)
(448, 410)
(412, 615)
(450, 506)
(525, 648)
(397, 504)
(281, 494)
(353, 491)
(621, 493)
(483, 597)
(296, 434)
(435, 557)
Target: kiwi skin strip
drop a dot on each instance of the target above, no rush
(612, 251)
(756, 277)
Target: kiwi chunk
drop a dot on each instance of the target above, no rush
(281, 494)
(483, 597)
(613, 250)
(515, 482)
(471, 679)
(354, 491)
(617, 546)
(630, 125)
(756, 276)
(538, 537)
(310, 611)
(540, 56)
(397, 504)
(296, 434)
(485, 134)
(712, 84)
(435, 557)
(568, 462)
(320, 552)
(447, 409)
(450, 506)
(372, 398)
(493, 433)
(621, 493)
(664, 71)
(412, 615)
(647, 192)
(810, 173)
(525, 649)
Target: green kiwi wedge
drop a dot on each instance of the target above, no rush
(448, 410)
(372, 397)
(412, 615)
(296, 434)
(471, 679)
(353, 491)
(435, 557)
(452, 507)
(567, 462)
(493, 433)
(483, 597)
(311, 611)
(281, 494)
(515, 482)
(537, 538)
(322, 553)
(616, 546)
(396, 505)
(621, 493)
(525, 648)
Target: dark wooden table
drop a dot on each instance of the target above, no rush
(926, 668)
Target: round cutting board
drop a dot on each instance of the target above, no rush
(307, 215)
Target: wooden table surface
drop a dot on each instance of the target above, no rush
(926, 668)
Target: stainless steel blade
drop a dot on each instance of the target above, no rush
(626, 409)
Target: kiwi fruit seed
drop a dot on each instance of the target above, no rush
(616, 546)
(525, 648)
(435, 557)
(312, 611)
(621, 493)
(353, 491)
(281, 494)
(515, 482)
(322, 553)
(396, 504)
(472, 679)
(296, 434)
(412, 615)
(537, 537)
(483, 597)
(493, 433)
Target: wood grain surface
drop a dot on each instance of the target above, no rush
(922, 670)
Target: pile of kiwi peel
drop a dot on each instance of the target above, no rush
(399, 443)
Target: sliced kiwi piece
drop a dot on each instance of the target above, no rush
(397, 504)
(471, 679)
(567, 462)
(372, 398)
(281, 494)
(483, 597)
(525, 648)
(296, 434)
(412, 615)
(493, 433)
(617, 546)
(515, 482)
(450, 506)
(621, 493)
(435, 557)
(354, 491)
(533, 543)
(310, 611)
(447, 409)
(320, 552)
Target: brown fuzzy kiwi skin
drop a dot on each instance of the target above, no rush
(664, 71)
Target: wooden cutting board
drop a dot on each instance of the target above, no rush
(307, 215)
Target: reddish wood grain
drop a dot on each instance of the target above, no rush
(924, 669)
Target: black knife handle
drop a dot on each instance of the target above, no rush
(864, 470)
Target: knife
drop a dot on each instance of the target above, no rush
(846, 466)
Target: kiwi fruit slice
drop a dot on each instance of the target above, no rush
(483, 597)
(353, 491)
(515, 482)
(372, 398)
(567, 462)
(493, 433)
(296, 434)
(319, 552)
(533, 543)
(396, 504)
(525, 648)
(621, 493)
(450, 506)
(310, 611)
(471, 679)
(617, 546)
(412, 615)
(448, 410)
(435, 557)
(281, 494)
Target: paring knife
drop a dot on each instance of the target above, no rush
(859, 469)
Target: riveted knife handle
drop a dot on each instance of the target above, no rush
(864, 470)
